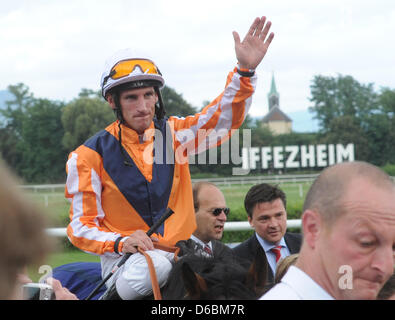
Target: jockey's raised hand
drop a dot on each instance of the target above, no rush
(253, 48)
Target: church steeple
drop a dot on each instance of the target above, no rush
(273, 96)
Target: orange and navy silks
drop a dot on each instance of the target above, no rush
(109, 199)
(148, 198)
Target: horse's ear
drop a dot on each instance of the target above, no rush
(194, 283)
(257, 274)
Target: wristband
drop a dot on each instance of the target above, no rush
(116, 244)
(246, 72)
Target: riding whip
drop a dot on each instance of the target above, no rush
(155, 226)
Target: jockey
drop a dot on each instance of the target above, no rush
(122, 180)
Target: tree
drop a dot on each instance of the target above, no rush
(11, 131)
(387, 102)
(352, 112)
(89, 93)
(174, 103)
(82, 118)
(345, 130)
(22, 94)
(387, 106)
(43, 156)
(341, 96)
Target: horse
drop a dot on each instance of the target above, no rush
(193, 276)
(222, 277)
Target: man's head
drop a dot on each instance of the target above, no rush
(137, 107)
(265, 206)
(211, 211)
(131, 86)
(349, 230)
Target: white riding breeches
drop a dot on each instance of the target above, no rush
(132, 279)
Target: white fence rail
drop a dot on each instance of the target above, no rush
(227, 181)
(229, 226)
(296, 178)
(278, 179)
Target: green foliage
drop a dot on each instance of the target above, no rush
(82, 118)
(175, 104)
(31, 136)
(22, 96)
(350, 112)
(62, 257)
(11, 128)
(236, 237)
(43, 157)
(344, 130)
(387, 102)
(237, 213)
(295, 209)
(390, 169)
(341, 96)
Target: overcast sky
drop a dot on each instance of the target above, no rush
(58, 47)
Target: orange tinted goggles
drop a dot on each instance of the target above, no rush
(126, 67)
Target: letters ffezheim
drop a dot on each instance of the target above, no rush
(290, 157)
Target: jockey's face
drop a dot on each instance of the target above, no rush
(138, 107)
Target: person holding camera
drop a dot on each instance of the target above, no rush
(23, 238)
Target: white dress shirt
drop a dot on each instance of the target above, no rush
(296, 285)
(271, 257)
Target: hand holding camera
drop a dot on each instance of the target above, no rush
(38, 291)
(52, 290)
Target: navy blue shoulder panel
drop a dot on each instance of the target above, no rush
(149, 199)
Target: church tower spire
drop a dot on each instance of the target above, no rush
(273, 96)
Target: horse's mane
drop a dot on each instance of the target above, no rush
(220, 277)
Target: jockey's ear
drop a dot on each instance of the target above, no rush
(256, 276)
(194, 283)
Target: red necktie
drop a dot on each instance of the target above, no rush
(277, 252)
(208, 250)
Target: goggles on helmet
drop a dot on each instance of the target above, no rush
(125, 67)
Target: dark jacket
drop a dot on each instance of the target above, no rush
(191, 247)
(247, 250)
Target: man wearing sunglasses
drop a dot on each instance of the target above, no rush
(122, 180)
(211, 214)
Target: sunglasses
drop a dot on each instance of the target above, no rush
(126, 67)
(217, 211)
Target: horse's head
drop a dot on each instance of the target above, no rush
(195, 277)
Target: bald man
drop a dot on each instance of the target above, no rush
(211, 214)
(349, 236)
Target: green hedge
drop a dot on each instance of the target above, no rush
(390, 169)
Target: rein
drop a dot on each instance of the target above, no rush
(151, 268)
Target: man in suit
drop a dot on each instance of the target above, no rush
(211, 213)
(265, 205)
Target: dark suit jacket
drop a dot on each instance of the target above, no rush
(189, 246)
(247, 250)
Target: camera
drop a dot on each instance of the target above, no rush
(38, 291)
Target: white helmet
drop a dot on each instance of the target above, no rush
(125, 66)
